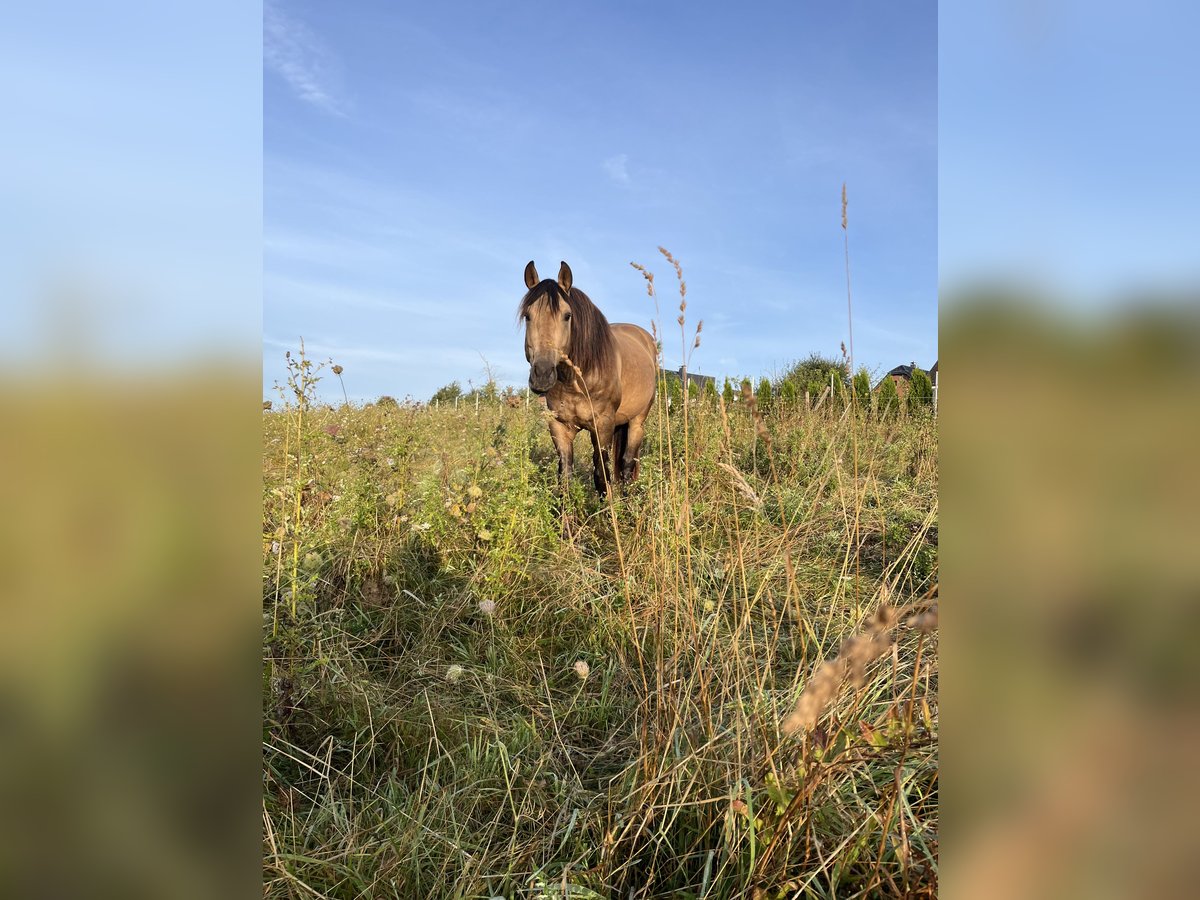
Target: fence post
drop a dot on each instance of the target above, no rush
(476, 404)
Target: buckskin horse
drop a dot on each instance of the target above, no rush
(594, 376)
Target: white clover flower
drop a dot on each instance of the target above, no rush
(582, 670)
(454, 673)
(487, 607)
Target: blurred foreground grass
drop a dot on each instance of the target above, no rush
(1071, 478)
(127, 701)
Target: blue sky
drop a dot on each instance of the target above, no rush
(130, 182)
(416, 156)
(1068, 146)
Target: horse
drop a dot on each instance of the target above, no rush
(594, 376)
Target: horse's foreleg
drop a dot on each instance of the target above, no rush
(602, 441)
(564, 442)
(633, 448)
(620, 441)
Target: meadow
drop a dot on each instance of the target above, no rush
(722, 683)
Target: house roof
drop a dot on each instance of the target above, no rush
(906, 371)
(693, 377)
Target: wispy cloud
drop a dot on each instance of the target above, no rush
(617, 168)
(292, 51)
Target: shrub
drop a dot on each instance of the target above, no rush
(763, 395)
(788, 393)
(710, 393)
(446, 394)
(727, 393)
(675, 392)
(862, 389)
(813, 369)
(920, 391)
(888, 399)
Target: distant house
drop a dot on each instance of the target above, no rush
(902, 375)
(696, 382)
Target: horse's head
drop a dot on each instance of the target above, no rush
(546, 311)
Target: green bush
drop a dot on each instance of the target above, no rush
(675, 393)
(710, 393)
(862, 389)
(814, 368)
(763, 395)
(727, 393)
(920, 391)
(447, 394)
(788, 393)
(887, 397)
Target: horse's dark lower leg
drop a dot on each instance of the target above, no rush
(634, 438)
(620, 442)
(564, 443)
(599, 471)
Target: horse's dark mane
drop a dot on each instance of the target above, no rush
(591, 345)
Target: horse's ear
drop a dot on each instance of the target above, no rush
(531, 276)
(564, 278)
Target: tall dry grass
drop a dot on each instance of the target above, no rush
(461, 702)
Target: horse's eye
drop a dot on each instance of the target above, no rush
(567, 317)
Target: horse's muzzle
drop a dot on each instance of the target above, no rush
(542, 377)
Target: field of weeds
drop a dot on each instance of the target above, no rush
(722, 684)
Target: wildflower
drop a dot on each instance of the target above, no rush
(487, 607)
(338, 370)
(475, 491)
(274, 546)
(391, 462)
(454, 673)
(582, 670)
(484, 534)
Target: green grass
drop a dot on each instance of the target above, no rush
(700, 606)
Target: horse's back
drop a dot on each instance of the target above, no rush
(639, 370)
